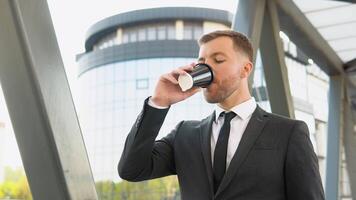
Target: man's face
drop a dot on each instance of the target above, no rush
(228, 68)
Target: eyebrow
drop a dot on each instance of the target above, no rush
(212, 55)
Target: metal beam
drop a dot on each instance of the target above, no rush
(274, 65)
(335, 126)
(350, 67)
(349, 138)
(348, 1)
(248, 20)
(299, 29)
(40, 104)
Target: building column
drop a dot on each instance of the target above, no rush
(349, 140)
(40, 104)
(274, 65)
(248, 20)
(335, 126)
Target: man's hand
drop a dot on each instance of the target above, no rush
(168, 92)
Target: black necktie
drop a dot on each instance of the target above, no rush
(219, 165)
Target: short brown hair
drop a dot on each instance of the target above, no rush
(241, 42)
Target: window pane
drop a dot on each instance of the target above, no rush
(171, 32)
(188, 33)
(125, 38)
(151, 33)
(161, 32)
(133, 36)
(142, 34)
(142, 83)
(198, 31)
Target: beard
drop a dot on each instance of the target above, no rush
(216, 93)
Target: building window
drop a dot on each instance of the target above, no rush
(197, 32)
(125, 38)
(192, 30)
(133, 36)
(188, 33)
(107, 41)
(151, 33)
(161, 30)
(171, 32)
(142, 83)
(154, 31)
(142, 34)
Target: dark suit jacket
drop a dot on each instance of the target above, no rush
(274, 160)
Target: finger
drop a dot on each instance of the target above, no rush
(170, 78)
(179, 71)
(189, 67)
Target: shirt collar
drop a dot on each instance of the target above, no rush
(243, 110)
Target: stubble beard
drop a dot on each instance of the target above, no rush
(220, 94)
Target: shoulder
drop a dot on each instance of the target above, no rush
(281, 119)
(190, 124)
(284, 123)
(194, 126)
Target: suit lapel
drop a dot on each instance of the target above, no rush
(252, 131)
(205, 137)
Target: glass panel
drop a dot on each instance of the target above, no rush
(151, 33)
(171, 32)
(161, 32)
(347, 55)
(188, 32)
(339, 31)
(142, 84)
(317, 5)
(335, 15)
(125, 37)
(142, 34)
(133, 36)
(198, 31)
(343, 44)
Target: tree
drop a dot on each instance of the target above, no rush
(15, 185)
(158, 189)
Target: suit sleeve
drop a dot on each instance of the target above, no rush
(144, 158)
(302, 170)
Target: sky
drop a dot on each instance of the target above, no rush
(71, 20)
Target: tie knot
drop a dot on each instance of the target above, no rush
(228, 116)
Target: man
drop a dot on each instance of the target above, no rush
(238, 152)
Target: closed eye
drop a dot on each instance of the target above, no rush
(219, 61)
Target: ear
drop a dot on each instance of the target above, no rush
(246, 70)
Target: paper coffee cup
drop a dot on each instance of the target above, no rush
(201, 76)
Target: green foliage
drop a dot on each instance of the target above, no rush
(15, 185)
(158, 189)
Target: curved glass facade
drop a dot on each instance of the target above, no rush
(150, 32)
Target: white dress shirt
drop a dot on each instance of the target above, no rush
(238, 125)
